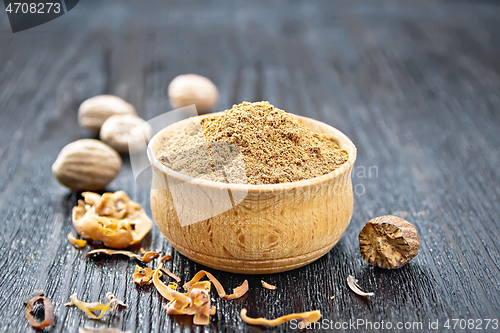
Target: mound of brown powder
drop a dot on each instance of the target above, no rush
(271, 145)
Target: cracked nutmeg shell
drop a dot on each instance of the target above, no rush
(388, 242)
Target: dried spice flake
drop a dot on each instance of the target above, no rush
(147, 258)
(163, 289)
(48, 309)
(267, 285)
(165, 258)
(75, 241)
(237, 292)
(172, 275)
(199, 307)
(195, 302)
(304, 317)
(34, 294)
(143, 275)
(353, 284)
(89, 308)
(112, 218)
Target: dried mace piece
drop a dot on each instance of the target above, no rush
(90, 308)
(388, 242)
(113, 219)
(147, 258)
(305, 319)
(352, 282)
(48, 309)
(76, 242)
(267, 285)
(143, 275)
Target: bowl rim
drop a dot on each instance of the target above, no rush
(344, 142)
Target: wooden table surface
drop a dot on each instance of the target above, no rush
(415, 85)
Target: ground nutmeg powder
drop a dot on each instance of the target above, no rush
(253, 143)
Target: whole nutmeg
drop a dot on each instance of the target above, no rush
(86, 164)
(126, 133)
(193, 89)
(94, 111)
(389, 242)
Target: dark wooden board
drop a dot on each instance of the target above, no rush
(416, 86)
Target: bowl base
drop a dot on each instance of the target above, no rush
(242, 266)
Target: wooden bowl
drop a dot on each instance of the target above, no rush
(273, 228)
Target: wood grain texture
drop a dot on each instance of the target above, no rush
(414, 85)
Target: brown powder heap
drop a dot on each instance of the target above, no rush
(272, 146)
(186, 150)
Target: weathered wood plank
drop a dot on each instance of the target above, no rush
(415, 86)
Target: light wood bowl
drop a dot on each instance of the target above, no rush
(274, 228)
